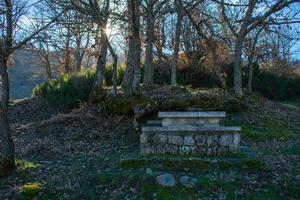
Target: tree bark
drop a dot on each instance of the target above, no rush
(237, 66)
(176, 45)
(7, 162)
(48, 67)
(251, 60)
(161, 41)
(78, 57)
(250, 75)
(133, 74)
(148, 74)
(115, 68)
(101, 63)
(8, 153)
(214, 58)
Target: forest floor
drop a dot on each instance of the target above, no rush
(90, 154)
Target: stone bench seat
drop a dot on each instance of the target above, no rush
(190, 118)
(192, 114)
(191, 128)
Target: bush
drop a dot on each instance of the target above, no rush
(108, 74)
(68, 90)
(270, 85)
(277, 87)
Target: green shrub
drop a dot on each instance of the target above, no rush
(278, 87)
(269, 84)
(108, 74)
(68, 90)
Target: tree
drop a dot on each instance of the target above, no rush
(10, 14)
(243, 24)
(153, 8)
(179, 10)
(98, 11)
(132, 76)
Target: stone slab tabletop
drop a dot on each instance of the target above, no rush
(191, 128)
(204, 114)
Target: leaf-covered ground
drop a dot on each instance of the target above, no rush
(90, 154)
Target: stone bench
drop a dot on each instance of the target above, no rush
(190, 118)
(203, 140)
(189, 133)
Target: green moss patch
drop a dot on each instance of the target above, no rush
(30, 190)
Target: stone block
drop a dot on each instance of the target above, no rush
(160, 138)
(172, 149)
(226, 139)
(175, 139)
(201, 150)
(212, 140)
(212, 151)
(222, 149)
(188, 121)
(200, 139)
(154, 122)
(236, 139)
(234, 148)
(146, 149)
(143, 138)
(187, 149)
(160, 149)
(189, 140)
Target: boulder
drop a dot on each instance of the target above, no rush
(188, 182)
(167, 180)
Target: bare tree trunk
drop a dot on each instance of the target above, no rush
(133, 74)
(237, 66)
(48, 68)
(251, 60)
(78, 54)
(115, 68)
(67, 59)
(161, 41)
(101, 63)
(215, 64)
(7, 162)
(148, 74)
(177, 41)
(8, 153)
(250, 75)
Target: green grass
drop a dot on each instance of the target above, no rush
(194, 165)
(295, 150)
(177, 192)
(270, 128)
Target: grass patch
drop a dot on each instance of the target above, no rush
(133, 163)
(254, 165)
(268, 128)
(295, 150)
(195, 165)
(151, 190)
